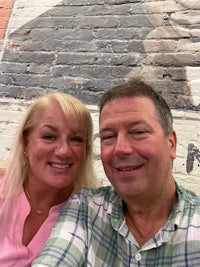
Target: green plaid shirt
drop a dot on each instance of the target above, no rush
(91, 231)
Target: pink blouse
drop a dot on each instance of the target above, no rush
(12, 252)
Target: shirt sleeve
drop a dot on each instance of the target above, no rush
(67, 243)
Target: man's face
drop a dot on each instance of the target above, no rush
(136, 155)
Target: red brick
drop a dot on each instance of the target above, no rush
(5, 11)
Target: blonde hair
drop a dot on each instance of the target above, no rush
(17, 172)
(3, 166)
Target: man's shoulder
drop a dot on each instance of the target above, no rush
(90, 202)
(96, 190)
(188, 196)
(105, 192)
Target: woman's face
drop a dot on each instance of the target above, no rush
(56, 149)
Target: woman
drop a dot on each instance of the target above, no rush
(51, 158)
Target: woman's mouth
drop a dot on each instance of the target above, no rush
(60, 166)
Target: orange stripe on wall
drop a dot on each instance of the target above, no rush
(5, 11)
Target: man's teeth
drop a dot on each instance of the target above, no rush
(129, 168)
(60, 166)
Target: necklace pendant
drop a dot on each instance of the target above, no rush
(39, 212)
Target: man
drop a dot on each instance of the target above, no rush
(147, 219)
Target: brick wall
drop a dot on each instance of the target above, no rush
(84, 47)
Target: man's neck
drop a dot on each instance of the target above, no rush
(146, 218)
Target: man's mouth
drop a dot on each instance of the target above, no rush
(129, 168)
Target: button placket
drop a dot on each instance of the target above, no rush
(138, 256)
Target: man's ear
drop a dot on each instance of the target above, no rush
(172, 144)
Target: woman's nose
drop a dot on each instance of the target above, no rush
(63, 149)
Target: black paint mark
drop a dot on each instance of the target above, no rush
(193, 152)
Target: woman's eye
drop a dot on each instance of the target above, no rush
(78, 139)
(49, 137)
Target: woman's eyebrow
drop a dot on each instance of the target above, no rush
(49, 127)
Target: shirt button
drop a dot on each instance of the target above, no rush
(138, 256)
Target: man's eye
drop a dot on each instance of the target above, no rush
(140, 132)
(107, 137)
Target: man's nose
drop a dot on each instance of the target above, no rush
(123, 144)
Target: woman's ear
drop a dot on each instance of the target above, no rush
(25, 140)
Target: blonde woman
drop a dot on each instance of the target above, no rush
(51, 158)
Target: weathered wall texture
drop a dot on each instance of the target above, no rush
(85, 47)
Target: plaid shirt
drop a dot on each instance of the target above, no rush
(91, 231)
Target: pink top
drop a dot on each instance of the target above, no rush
(12, 252)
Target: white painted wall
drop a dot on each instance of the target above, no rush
(186, 124)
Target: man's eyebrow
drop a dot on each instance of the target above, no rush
(134, 123)
(106, 129)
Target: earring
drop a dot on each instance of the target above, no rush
(25, 158)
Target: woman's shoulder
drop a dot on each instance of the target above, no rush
(3, 166)
(2, 173)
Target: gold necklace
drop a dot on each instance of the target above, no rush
(37, 211)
